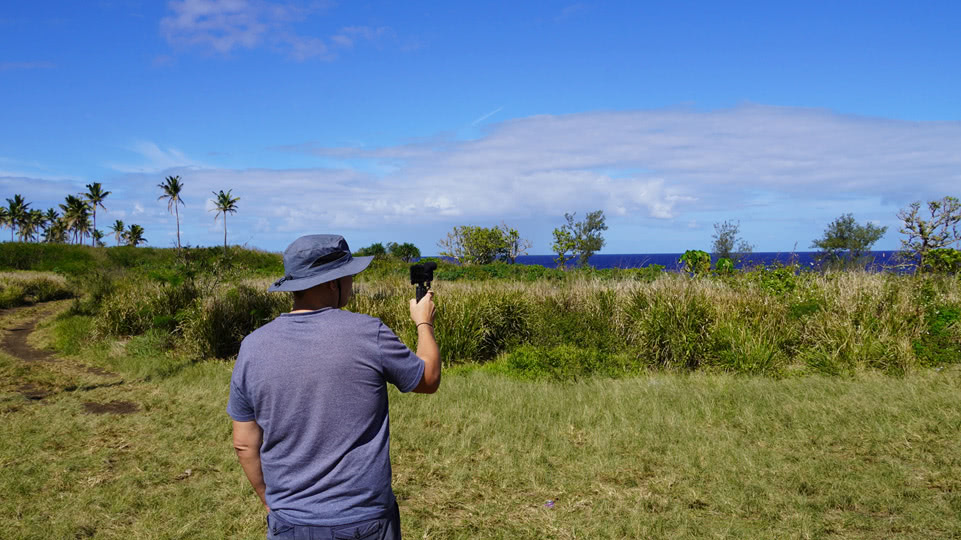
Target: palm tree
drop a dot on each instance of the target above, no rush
(17, 209)
(224, 204)
(117, 230)
(35, 221)
(134, 235)
(97, 238)
(56, 231)
(171, 191)
(76, 216)
(5, 217)
(95, 196)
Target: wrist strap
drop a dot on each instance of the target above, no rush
(427, 323)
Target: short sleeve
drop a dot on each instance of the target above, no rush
(401, 366)
(238, 405)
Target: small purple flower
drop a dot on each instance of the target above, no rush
(549, 503)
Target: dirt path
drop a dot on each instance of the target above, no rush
(15, 341)
(18, 324)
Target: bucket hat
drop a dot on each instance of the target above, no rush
(317, 258)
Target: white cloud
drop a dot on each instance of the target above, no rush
(785, 171)
(660, 162)
(223, 26)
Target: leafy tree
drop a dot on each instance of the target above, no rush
(472, 245)
(564, 243)
(940, 230)
(17, 209)
(482, 245)
(581, 238)
(224, 204)
(727, 244)
(134, 235)
(376, 250)
(171, 188)
(845, 241)
(405, 252)
(514, 245)
(95, 196)
(117, 229)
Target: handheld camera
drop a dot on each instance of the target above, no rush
(421, 275)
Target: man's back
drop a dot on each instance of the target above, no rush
(315, 383)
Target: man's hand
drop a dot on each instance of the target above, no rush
(422, 314)
(423, 311)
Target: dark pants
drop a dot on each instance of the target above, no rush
(386, 527)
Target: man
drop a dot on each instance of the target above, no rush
(308, 398)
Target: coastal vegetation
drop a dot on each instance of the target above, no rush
(609, 403)
(533, 322)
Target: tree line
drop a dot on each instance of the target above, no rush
(930, 230)
(845, 243)
(77, 219)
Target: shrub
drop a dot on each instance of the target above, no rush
(674, 326)
(724, 267)
(18, 289)
(943, 260)
(696, 262)
(215, 326)
(136, 305)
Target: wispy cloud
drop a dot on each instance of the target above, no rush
(572, 10)
(153, 158)
(486, 116)
(223, 26)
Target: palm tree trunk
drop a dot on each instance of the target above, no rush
(225, 234)
(178, 224)
(92, 241)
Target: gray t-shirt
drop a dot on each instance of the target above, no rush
(315, 383)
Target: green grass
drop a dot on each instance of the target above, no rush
(657, 456)
(26, 287)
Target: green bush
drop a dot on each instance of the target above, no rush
(136, 305)
(696, 262)
(940, 343)
(214, 327)
(724, 267)
(25, 288)
(943, 260)
(674, 326)
(777, 279)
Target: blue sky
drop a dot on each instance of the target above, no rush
(395, 121)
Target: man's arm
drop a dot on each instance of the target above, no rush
(423, 315)
(247, 440)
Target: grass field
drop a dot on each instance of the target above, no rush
(655, 456)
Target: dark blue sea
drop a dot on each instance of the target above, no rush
(879, 260)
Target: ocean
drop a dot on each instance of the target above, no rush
(881, 260)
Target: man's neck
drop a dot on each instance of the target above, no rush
(303, 307)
